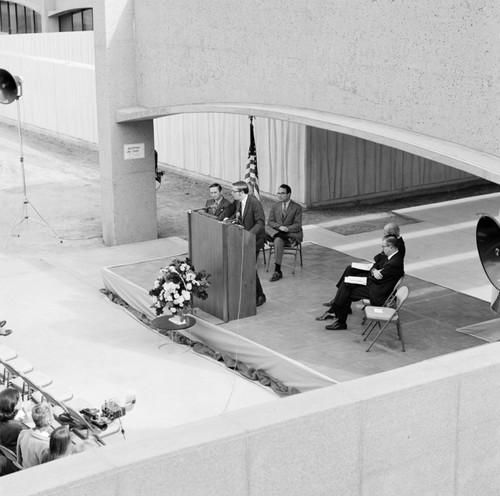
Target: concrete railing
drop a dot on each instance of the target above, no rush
(431, 428)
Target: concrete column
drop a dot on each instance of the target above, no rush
(126, 151)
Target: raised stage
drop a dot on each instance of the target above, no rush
(285, 339)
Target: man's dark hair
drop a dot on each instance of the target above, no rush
(391, 241)
(241, 186)
(287, 188)
(215, 185)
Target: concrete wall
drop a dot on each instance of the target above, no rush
(431, 428)
(432, 68)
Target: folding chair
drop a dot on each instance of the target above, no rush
(388, 315)
(11, 456)
(388, 303)
(289, 250)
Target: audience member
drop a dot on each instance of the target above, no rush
(10, 404)
(59, 444)
(218, 206)
(250, 214)
(33, 443)
(285, 218)
(380, 282)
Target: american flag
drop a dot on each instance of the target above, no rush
(251, 172)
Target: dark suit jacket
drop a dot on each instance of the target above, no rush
(224, 209)
(292, 219)
(401, 249)
(252, 219)
(392, 271)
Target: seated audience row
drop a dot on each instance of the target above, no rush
(41, 444)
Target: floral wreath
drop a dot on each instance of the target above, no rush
(176, 285)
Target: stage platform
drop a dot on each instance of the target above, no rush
(298, 349)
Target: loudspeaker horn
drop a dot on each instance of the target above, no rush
(10, 87)
(488, 247)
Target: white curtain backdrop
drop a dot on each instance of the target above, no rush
(216, 146)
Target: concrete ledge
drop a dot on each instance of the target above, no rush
(375, 435)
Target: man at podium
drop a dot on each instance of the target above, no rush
(250, 215)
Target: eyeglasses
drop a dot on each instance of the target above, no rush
(281, 193)
(234, 192)
(385, 246)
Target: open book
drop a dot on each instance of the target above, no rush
(355, 280)
(362, 265)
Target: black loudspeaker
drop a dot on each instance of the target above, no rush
(9, 87)
(488, 247)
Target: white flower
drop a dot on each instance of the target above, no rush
(189, 286)
(186, 295)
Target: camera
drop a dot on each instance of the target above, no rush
(112, 410)
(94, 416)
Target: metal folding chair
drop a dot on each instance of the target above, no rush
(389, 315)
(391, 299)
(289, 250)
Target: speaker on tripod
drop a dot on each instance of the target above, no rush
(11, 89)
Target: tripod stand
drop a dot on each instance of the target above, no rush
(23, 215)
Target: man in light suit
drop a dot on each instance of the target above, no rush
(285, 220)
(218, 206)
(380, 282)
(250, 214)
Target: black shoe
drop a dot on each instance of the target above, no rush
(276, 276)
(5, 332)
(336, 326)
(261, 300)
(328, 304)
(2, 323)
(326, 316)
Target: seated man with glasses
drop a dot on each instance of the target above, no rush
(380, 282)
(285, 219)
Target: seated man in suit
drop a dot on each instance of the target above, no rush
(380, 282)
(285, 219)
(218, 206)
(390, 229)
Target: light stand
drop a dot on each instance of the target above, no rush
(10, 90)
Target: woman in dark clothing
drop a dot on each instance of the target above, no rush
(9, 428)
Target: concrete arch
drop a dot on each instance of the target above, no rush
(478, 163)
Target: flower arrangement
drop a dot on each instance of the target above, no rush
(176, 285)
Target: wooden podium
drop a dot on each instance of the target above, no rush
(227, 253)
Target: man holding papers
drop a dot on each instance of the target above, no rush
(376, 285)
(362, 269)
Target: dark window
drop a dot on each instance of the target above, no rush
(15, 18)
(78, 20)
(65, 23)
(4, 17)
(21, 19)
(38, 22)
(88, 21)
(30, 21)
